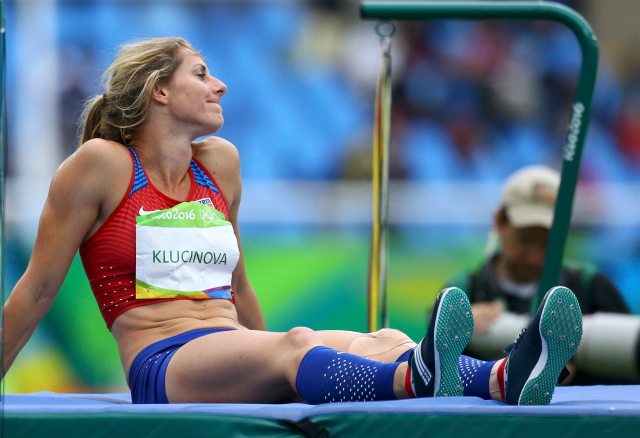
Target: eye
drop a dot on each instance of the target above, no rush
(202, 75)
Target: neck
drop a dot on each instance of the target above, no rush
(165, 156)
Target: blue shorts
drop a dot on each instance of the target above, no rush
(149, 368)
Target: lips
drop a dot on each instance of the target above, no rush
(215, 105)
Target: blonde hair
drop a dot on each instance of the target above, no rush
(128, 82)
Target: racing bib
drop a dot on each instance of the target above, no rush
(189, 250)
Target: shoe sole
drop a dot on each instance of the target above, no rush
(453, 331)
(560, 331)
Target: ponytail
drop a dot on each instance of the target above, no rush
(98, 116)
(92, 119)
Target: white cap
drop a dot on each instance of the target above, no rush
(529, 196)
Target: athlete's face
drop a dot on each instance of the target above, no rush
(193, 95)
(523, 252)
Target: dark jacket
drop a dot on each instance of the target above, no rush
(595, 292)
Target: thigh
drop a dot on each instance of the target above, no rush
(240, 366)
(385, 345)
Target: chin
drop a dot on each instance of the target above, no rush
(524, 276)
(209, 129)
(217, 123)
(530, 278)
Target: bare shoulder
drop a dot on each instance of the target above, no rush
(99, 154)
(95, 167)
(214, 152)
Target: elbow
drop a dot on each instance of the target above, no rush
(41, 299)
(35, 292)
(42, 302)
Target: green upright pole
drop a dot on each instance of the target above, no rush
(580, 110)
(3, 162)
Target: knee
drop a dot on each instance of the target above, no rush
(301, 339)
(390, 334)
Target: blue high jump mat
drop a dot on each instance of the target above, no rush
(584, 411)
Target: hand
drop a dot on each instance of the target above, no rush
(484, 314)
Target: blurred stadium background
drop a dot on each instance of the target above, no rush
(472, 102)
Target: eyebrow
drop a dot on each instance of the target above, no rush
(202, 66)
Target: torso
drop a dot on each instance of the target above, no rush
(484, 286)
(145, 324)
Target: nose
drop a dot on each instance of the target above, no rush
(534, 256)
(219, 87)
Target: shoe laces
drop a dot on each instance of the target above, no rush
(516, 342)
(563, 374)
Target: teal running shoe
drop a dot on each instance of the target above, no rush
(538, 357)
(434, 361)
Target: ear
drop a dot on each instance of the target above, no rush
(500, 220)
(500, 225)
(160, 94)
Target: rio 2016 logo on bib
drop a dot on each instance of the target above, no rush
(176, 214)
(208, 217)
(184, 215)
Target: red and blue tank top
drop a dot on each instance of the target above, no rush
(109, 256)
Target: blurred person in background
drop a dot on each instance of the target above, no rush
(506, 282)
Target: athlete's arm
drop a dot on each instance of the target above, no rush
(222, 160)
(72, 207)
(249, 311)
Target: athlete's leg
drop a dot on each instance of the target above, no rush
(246, 366)
(385, 345)
(484, 379)
(236, 366)
(253, 366)
(434, 362)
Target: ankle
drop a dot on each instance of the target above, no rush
(402, 382)
(496, 380)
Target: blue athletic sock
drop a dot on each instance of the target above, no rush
(326, 375)
(475, 375)
(404, 356)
